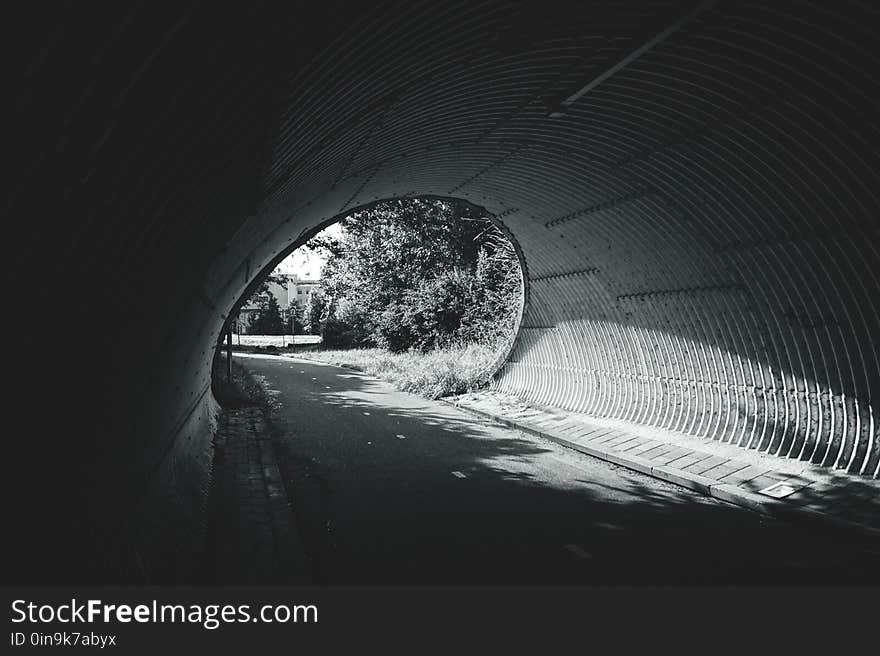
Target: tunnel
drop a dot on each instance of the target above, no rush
(694, 189)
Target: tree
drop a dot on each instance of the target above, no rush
(314, 312)
(267, 319)
(418, 273)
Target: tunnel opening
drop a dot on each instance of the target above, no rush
(414, 274)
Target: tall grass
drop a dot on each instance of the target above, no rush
(454, 370)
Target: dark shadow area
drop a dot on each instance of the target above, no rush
(250, 535)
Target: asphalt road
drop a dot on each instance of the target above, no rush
(390, 488)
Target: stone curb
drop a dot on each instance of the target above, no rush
(706, 486)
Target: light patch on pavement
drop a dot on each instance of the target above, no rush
(778, 490)
(401, 437)
(459, 474)
(367, 414)
(577, 551)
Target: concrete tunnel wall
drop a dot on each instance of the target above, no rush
(694, 188)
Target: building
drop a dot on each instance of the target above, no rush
(294, 290)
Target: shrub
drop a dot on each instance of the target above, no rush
(420, 274)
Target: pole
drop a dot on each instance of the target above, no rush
(229, 355)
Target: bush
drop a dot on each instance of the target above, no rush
(457, 369)
(419, 274)
(336, 334)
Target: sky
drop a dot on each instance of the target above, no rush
(307, 264)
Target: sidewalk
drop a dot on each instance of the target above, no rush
(771, 485)
(253, 535)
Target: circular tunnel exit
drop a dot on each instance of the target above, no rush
(479, 243)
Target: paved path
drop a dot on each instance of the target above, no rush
(252, 532)
(389, 488)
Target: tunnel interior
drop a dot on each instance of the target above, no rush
(693, 187)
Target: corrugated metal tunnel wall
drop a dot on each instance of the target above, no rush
(694, 188)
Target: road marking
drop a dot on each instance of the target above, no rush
(577, 551)
(459, 474)
(401, 437)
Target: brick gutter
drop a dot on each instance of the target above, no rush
(765, 505)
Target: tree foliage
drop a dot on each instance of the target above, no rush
(267, 320)
(417, 274)
(314, 313)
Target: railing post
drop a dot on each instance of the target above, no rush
(229, 355)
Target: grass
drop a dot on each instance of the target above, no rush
(456, 370)
(242, 390)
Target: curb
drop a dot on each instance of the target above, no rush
(707, 486)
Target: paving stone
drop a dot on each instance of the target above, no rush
(602, 436)
(576, 428)
(704, 465)
(633, 441)
(683, 478)
(633, 462)
(689, 459)
(720, 471)
(585, 431)
(648, 445)
(633, 447)
(743, 475)
(659, 450)
(666, 458)
(608, 444)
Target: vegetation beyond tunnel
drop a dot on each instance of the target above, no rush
(427, 293)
